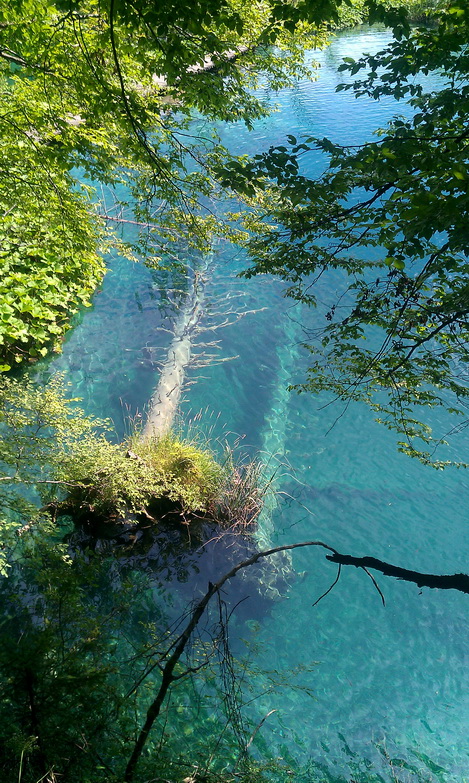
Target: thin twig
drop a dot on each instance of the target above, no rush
(329, 588)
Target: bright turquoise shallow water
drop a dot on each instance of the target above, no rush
(392, 675)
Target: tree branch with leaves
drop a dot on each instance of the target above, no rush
(392, 215)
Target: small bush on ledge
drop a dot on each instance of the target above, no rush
(148, 477)
(157, 480)
(55, 459)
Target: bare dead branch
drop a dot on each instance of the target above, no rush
(440, 581)
(259, 725)
(455, 581)
(329, 588)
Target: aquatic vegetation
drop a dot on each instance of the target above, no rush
(158, 479)
(242, 494)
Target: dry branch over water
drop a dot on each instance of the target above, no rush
(169, 662)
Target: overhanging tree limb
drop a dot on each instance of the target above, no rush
(439, 581)
(392, 214)
(456, 581)
(168, 669)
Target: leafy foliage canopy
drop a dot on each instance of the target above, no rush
(111, 93)
(392, 215)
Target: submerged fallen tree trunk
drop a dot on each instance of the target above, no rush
(167, 395)
(165, 400)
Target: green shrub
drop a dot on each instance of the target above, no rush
(54, 457)
(140, 477)
(355, 12)
(50, 269)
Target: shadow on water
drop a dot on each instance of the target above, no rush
(187, 559)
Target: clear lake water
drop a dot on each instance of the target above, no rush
(396, 675)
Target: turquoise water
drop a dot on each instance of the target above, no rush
(394, 675)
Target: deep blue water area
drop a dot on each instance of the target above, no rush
(393, 675)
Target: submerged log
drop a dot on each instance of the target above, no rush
(167, 395)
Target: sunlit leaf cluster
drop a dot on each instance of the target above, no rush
(102, 120)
